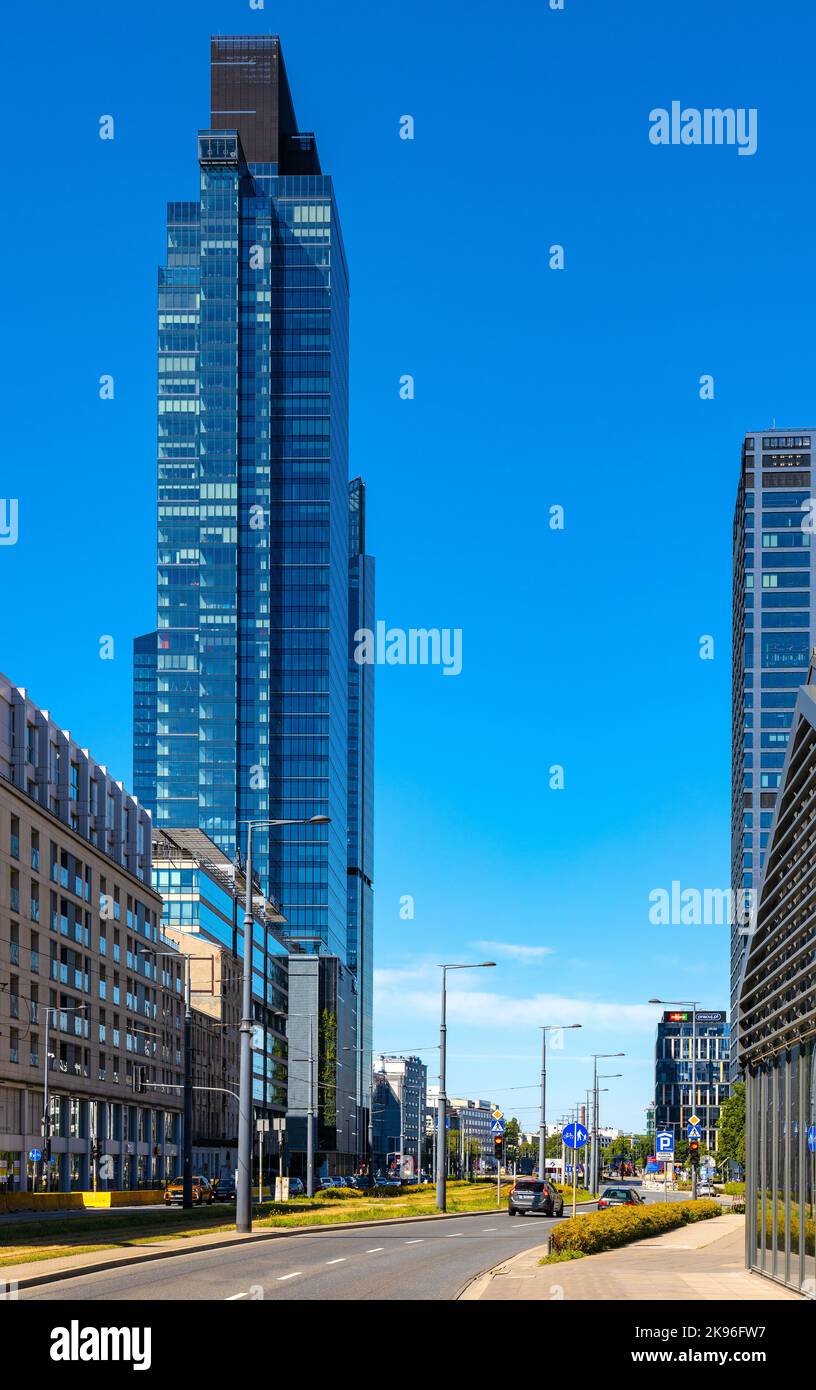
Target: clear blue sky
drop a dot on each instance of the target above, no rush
(533, 387)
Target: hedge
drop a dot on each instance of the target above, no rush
(605, 1230)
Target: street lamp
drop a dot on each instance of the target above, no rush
(441, 1114)
(603, 1076)
(542, 1127)
(243, 1212)
(694, 1005)
(596, 1057)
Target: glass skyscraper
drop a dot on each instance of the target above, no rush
(244, 707)
(774, 613)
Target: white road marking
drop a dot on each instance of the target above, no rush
(489, 1228)
(418, 1241)
(231, 1297)
(375, 1250)
(341, 1260)
(282, 1277)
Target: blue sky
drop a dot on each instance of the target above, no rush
(533, 388)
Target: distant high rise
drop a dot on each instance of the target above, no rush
(774, 613)
(676, 1099)
(242, 693)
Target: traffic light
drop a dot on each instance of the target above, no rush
(694, 1151)
(498, 1141)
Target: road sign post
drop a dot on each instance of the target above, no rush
(497, 1128)
(664, 1148)
(575, 1137)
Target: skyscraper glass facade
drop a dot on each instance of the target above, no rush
(241, 695)
(677, 1097)
(774, 614)
(360, 891)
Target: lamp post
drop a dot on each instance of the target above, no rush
(243, 1205)
(602, 1076)
(694, 1005)
(542, 1123)
(441, 1114)
(71, 1009)
(310, 1110)
(596, 1057)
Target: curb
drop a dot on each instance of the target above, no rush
(181, 1247)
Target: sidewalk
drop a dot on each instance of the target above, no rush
(692, 1264)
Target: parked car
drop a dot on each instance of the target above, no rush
(225, 1190)
(619, 1197)
(534, 1195)
(706, 1188)
(363, 1181)
(349, 1181)
(297, 1187)
(203, 1191)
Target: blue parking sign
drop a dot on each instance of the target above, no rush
(664, 1144)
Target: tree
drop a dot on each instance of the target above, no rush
(512, 1138)
(328, 1068)
(731, 1126)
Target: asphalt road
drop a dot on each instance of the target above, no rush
(422, 1260)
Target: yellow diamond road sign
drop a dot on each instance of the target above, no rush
(497, 1115)
(693, 1120)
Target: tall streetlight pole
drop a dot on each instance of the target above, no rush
(243, 1205)
(694, 1005)
(596, 1057)
(542, 1122)
(602, 1076)
(441, 1114)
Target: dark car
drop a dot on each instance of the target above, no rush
(225, 1190)
(619, 1197)
(533, 1194)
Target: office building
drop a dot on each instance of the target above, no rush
(244, 706)
(778, 1012)
(203, 906)
(774, 615)
(83, 990)
(676, 1099)
(399, 1097)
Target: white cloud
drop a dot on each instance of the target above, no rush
(398, 999)
(513, 951)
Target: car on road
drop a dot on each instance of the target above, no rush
(534, 1195)
(203, 1191)
(225, 1190)
(620, 1197)
(706, 1188)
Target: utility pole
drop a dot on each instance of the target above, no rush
(187, 1170)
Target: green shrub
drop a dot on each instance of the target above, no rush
(337, 1194)
(734, 1189)
(386, 1192)
(606, 1230)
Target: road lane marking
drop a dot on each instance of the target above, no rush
(231, 1297)
(339, 1261)
(485, 1229)
(282, 1277)
(375, 1250)
(417, 1241)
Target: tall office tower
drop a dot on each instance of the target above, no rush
(242, 693)
(774, 614)
(360, 946)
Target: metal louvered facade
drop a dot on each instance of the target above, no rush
(778, 1027)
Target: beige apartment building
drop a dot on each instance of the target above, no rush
(87, 989)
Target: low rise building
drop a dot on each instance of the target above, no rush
(84, 996)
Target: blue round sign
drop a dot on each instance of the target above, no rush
(811, 1138)
(574, 1136)
(35, 1155)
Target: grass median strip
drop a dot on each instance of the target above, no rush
(597, 1231)
(30, 1241)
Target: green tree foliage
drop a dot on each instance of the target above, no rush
(731, 1126)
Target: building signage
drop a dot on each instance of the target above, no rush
(687, 1016)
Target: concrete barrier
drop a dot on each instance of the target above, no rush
(46, 1202)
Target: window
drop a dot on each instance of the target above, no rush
(14, 844)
